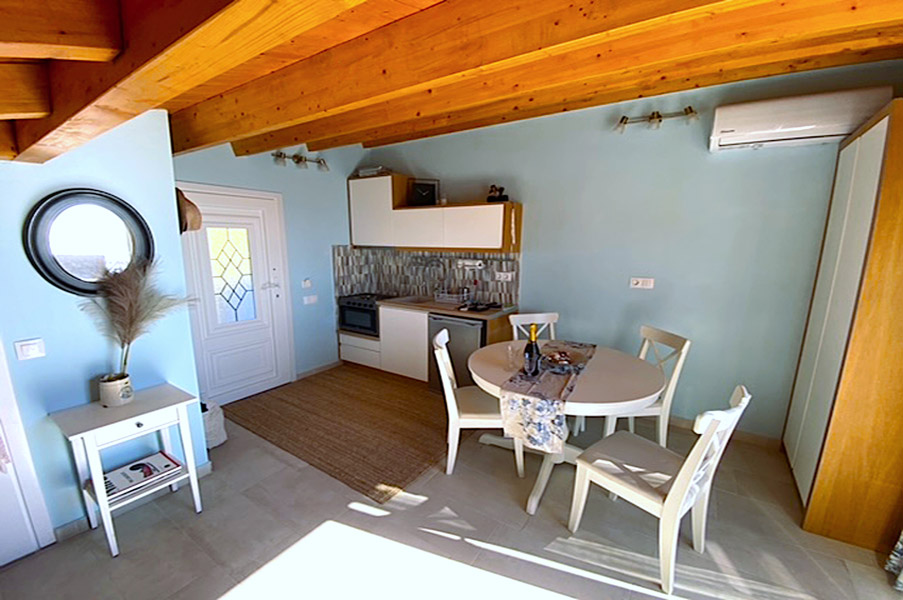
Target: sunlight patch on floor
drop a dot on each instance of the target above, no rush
(545, 562)
(725, 586)
(373, 511)
(339, 561)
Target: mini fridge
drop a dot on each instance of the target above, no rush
(464, 336)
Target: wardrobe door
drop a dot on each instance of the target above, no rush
(840, 202)
(842, 291)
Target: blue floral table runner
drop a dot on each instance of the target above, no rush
(533, 407)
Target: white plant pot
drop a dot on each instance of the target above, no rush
(115, 390)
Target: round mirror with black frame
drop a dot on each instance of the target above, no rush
(72, 237)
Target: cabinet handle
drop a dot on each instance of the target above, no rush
(139, 424)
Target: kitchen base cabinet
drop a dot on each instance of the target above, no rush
(360, 349)
(404, 348)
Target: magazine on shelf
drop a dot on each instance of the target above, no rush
(139, 474)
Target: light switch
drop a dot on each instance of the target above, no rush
(28, 349)
(307, 283)
(310, 299)
(642, 283)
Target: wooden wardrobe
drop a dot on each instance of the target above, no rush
(844, 431)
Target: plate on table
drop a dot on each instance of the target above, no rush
(563, 361)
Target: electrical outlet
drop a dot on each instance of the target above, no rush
(642, 283)
(470, 263)
(504, 276)
(28, 349)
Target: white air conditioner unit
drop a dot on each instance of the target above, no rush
(797, 120)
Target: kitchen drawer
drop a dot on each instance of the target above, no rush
(135, 426)
(359, 341)
(360, 356)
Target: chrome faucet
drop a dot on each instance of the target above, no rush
(438, 274)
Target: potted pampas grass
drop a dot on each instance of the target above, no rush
(126, 306)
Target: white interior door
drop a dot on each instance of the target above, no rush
(236, 268)
(18, 538)
(24, 520)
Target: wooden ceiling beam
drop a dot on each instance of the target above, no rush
(7, 140)
(60, 29)
(505, 112)
(450, 42)
(25, 93)
(633, 84)
(171, 48)
(353, 23)
(752, 28)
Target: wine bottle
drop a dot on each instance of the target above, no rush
(531, 354)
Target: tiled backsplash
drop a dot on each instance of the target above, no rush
(405, 273)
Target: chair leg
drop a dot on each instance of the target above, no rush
(611, 423)
(668, 529)
(661, 422)
(580, 423)
(630, 424)
(519, 457)
(699, 517)
(454, 435)
(581, 490)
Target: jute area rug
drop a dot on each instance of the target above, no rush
(374, 431)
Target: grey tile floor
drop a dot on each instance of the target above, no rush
(260, 501)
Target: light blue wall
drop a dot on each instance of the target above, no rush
(732, 239)
(316, 217)
(134, 162)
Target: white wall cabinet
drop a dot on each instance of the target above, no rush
(379, 218)
(403, 341)
(418, 227)
(371, 211)
(480, 226)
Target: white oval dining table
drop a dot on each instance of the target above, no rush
(613, 383)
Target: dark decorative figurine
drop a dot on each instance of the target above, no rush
(496, 194)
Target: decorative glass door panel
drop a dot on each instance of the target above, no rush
(233, 278)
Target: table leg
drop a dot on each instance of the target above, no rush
(100, 491)
(84, 473)
(188, 448)
(166, 441)
(542, 480)
(569, 455)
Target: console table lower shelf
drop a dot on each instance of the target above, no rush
(91, 428)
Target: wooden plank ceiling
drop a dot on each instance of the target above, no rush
(263, 75)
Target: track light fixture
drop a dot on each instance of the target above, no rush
(301, 161)
(655, 118)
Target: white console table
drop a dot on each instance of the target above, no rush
(91, 428)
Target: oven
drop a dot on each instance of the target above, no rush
(359, 313)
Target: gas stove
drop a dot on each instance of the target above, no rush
(479, 306)
(362, 300)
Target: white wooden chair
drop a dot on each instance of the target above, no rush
(679, 347)
(468, 407)
(660, 481)
(545, 321)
